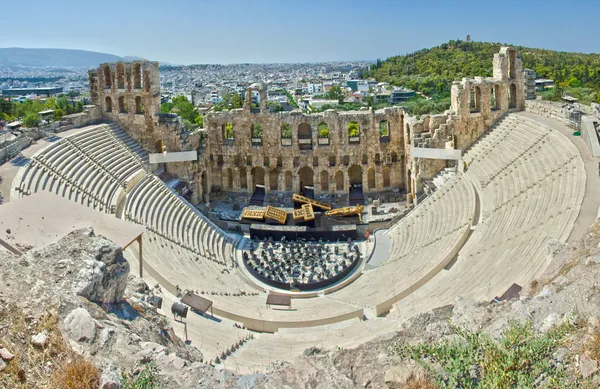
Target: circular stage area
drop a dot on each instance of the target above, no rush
(302, 265)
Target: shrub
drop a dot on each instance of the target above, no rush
(256, 131)
(145, 380)
(286, 131)
(80, 374)
(323, 130)
(353, 129)
(229, 131)
(520, 357)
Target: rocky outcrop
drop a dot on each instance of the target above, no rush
(103, 313)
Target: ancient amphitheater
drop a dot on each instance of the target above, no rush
(520, 185)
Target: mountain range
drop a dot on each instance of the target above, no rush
(16, 56)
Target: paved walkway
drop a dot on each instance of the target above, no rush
(590, 208)
(382, 248)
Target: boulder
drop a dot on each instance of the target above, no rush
(80, 325)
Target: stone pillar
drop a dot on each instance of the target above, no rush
(267, 182)
(236, 179)
(249, 181)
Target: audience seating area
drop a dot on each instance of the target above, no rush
(91, 167)
(483, 230)
(532, 183)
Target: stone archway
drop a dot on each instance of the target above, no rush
(324, 180)
(306, 176)
(258, 176)
(355, 175)
(339, 180)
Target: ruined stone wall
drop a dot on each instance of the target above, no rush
(328, 164)
(129, 94)
(282, 162)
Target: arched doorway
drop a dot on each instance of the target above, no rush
(273, 178)
(355, 175)
(339, 180)
(306, 176)
(288, 180)
(243, 179)
(512, 96)
(371, 178)
(324, 180)
(258, 176)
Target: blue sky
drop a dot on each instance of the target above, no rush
(234, 31)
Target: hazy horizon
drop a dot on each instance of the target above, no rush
(268, 32)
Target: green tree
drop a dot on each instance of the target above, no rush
(200, 121)
(335, 93)
(31, 120)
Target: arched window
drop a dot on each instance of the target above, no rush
(304, 136)
(120, 76)
(139, 107)
(122, 106)
(137, 76)
(107, 77)
(108, 104)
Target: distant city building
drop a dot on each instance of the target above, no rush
(530, 86)
(400, 95)
(542, 84)
(16, 92)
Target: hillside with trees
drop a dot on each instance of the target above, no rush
(431, 71)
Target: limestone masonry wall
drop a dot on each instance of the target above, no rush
(329, 151)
